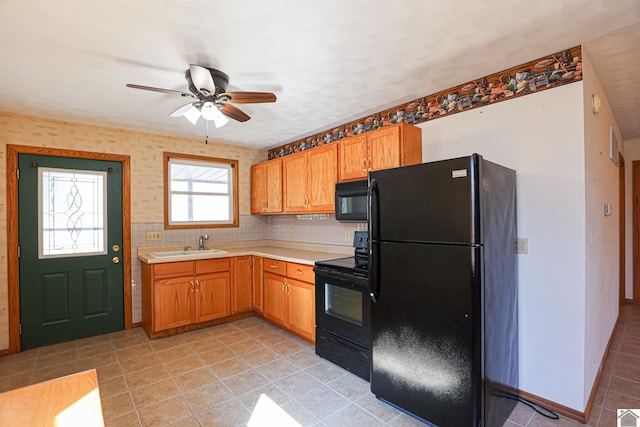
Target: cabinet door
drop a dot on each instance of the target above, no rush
(322, 170)
(301, 308)
(258, 188)
(213, 296)
(173, 303)
(353, 158)
(242, 274)
(257, 284)
(274, 186)
(294, 171)
(274, 298)
(384, 148)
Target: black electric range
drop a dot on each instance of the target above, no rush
(343, 313)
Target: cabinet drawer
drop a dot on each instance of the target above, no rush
(215, 265)
(173, 269)
(275, 266)
(300, 272)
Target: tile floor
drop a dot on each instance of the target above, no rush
(250, 372)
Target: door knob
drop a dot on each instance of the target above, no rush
(115, 248)
(115, 260)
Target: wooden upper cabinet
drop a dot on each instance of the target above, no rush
(309, 180)
(294, 171)
(384, 148)
(322, 175)
(266, 187)
(353, 157)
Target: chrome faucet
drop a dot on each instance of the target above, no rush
(201, 240)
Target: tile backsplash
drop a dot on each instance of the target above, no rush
(316, 228)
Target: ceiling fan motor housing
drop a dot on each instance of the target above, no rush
(220, 79)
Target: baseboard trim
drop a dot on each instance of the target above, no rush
(596, 384)
(555, 407)
(565, 411)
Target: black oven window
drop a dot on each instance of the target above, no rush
(345, 304)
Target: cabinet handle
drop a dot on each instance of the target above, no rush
(369, 163)
(192, 286)
(283, 285)
(273, 266)
(298, 271)
(364, 163)
(286, 288)
(197, 286)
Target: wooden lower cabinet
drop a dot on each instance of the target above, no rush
(173, 302)
(258, 293)
(274, 298)
(180, 294)
(301, 309)
(213, 292)
(242, 292)
(185, 295)
(288, 301)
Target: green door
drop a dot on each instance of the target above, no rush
(70, 237)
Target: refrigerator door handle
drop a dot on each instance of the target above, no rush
(371, 191)
(373, 241)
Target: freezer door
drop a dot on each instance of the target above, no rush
(425, 330)
(430, 202)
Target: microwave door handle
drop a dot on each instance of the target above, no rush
(374, 254)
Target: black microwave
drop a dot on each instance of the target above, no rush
(351, 201)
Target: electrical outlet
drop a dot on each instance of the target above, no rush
(154, 235)
(522, 245)
(347, 236)
(291, 233)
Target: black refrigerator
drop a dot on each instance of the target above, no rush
(444, 317)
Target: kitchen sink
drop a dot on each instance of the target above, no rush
(195, 253)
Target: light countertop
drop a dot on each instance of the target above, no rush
(301, 256)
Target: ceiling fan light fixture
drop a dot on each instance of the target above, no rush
(210, 111)
(193, 114)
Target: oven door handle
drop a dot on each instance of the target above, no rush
(374, 254)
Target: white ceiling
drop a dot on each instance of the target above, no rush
(328, 61)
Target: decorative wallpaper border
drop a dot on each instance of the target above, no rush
(541, 74)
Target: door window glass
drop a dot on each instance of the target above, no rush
(71, 213)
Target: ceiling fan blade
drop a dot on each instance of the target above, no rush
(181, 110)
(202, 80)
(250, 97)
(157, 89)
(234, 112)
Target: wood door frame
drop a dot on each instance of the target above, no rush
(622, 229)
(635, 201)
(13, 262)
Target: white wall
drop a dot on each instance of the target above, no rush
(603, 232)
(631, 153)
(541, 137)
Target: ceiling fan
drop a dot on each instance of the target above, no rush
(211, 101)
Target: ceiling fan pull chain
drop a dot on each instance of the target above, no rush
(206, 137)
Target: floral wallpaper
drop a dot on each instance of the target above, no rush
(541, 74)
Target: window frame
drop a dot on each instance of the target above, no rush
(214, 160)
